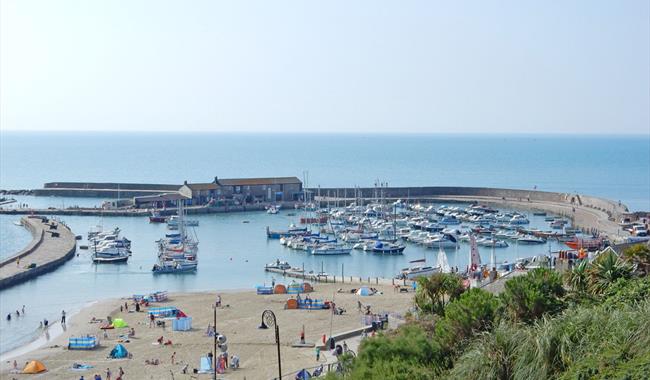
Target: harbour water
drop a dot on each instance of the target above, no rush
(232, 253)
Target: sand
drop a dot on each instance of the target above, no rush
(238, 319)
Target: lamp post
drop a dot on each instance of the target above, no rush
(214, 358)
(269, 320)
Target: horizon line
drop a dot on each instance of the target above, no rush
(400, 133)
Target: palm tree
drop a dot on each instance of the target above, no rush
(606, 269)
(578, 277)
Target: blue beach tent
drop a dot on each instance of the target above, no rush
(303, 375)
(363, 291)
(118, 352)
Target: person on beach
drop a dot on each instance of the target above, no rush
(23, 309)
(218, 303)
(9, 317)
(63, 317)
(173, 358)
(98, 377)
(151, 320)
(17, 313)
(120, 374)
(108, 374)
(317, 353)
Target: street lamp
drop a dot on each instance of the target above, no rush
(269, 320)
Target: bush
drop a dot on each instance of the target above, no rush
(475, 311)
(435, 291)
(406, 354)
(528, 297)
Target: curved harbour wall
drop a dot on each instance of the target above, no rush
(605, 205)
(46, 250)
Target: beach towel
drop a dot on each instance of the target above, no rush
(81, 367)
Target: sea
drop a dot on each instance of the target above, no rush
(233, 247)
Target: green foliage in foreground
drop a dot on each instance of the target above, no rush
(583, 342)
(526, 333)
(527, 298)
(435, 291)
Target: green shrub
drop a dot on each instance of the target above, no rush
(475, 311)
(528, 297)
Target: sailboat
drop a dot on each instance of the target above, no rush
(177, 253)
(443, 263)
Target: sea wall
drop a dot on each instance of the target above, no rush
(45, 250)
(606, 205)
(37, 239)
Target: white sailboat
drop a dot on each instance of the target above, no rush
(443, 263)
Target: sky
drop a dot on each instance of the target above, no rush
(326, 66)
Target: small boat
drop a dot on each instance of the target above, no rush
(530, 239)
(539, 213)
(519, 219)
(292, 231)
(387, 248)
(494, 243)
(173, 222)
(173, 266)
(155, 217)
(590, 244)
(272, 210)
(105, 258)
(558, 224)
(331, 250)
(416, 271)
(277, 264)
(18, 222)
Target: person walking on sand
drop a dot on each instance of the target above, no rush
(120, 373)
(63, 317)
(173, 358)
(152, 318)
(23, 309)
(108, 374)
(317, 353)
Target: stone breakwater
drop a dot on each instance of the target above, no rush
(53, 244)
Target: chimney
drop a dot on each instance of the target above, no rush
(185, 182)
(216, 179)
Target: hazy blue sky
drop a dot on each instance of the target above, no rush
(340, 66)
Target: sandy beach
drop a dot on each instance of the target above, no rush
(237, 319)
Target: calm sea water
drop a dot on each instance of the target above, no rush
(612, 167)
(233, 253)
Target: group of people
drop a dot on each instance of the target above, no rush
(109, 374)
(18, 313)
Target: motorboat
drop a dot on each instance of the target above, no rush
(387, 248)
(416, 271)
(491, 242)
(519, 219)
(328, 249)
(441, 241)
(530, 239)
(174, 221)
(272, 210)
(277, 264)
(155, 217)
(558, 224)
(292, 231)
